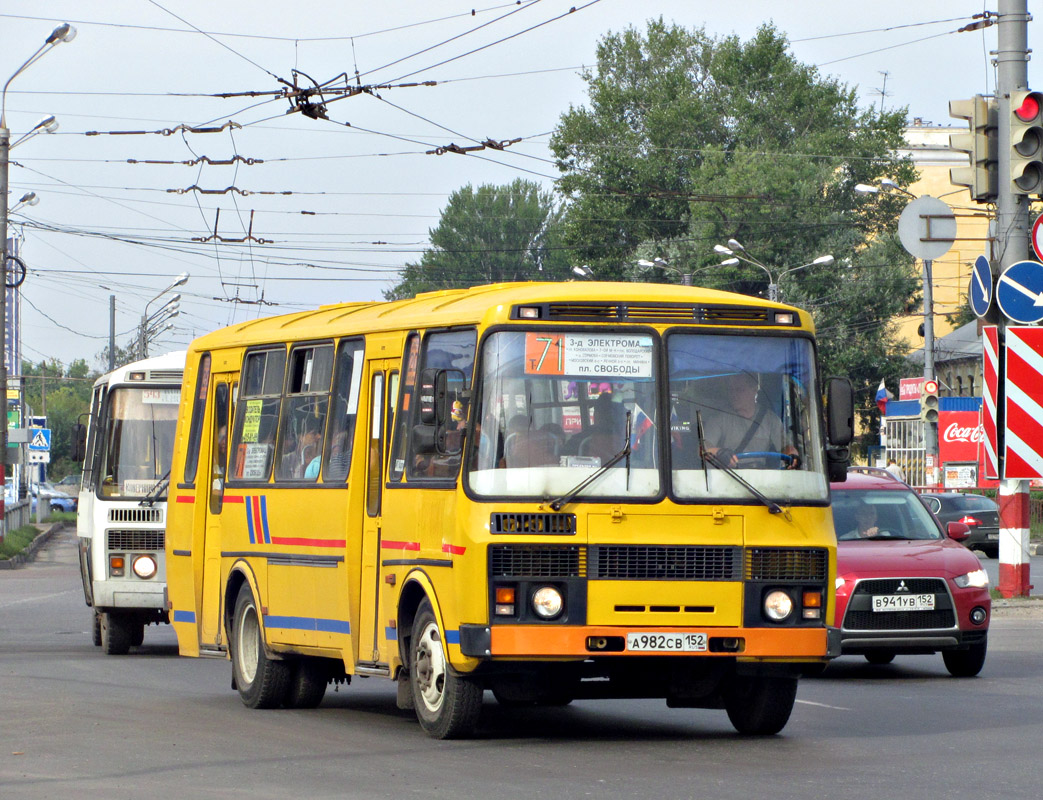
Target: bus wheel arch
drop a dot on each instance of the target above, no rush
(262, 681)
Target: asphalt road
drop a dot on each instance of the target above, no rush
(992, 568)
(77, 724)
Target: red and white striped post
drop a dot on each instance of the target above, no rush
(1014, 541)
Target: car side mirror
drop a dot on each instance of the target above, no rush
(958, 531)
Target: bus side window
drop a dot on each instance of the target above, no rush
(452, 351)
(219, 448)
(404, 417)
(196, 429)
(304, 412)
(257, 415)
(344, 415)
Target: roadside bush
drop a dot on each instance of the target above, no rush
(17, 540)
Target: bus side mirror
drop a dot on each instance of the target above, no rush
(840, 412)
(79, 442)
(429, 381)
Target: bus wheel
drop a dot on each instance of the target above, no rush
(307, 685)
(115, 634)
(760, 706)
(447, 705)
(96, 632)
(262, 682)
(137, 633)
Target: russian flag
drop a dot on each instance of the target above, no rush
(882, 396)
(641, 423)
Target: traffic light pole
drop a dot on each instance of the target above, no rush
(1011, 246)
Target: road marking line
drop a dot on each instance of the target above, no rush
(823, 705)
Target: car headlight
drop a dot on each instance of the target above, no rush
(979, 579)
(778, 605)
(547, 602)
(838, 583)
(144, 566)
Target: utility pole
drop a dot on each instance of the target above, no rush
(112, 332)
(1011, 244)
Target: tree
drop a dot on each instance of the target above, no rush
(690, 140)
(62, 394)
(488, 235)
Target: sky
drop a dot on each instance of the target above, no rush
(330, 210)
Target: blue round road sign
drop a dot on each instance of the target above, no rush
(980, 289)
(1019, 292)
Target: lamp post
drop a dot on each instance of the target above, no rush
(167, 311)
(63, 33)
(644, 264)
(583, 271)
(773, 277)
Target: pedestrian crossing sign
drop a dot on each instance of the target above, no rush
(41, 439)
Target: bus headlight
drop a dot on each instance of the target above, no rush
(547, 602)
(144, 566)
(778, 605)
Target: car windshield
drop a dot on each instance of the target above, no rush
(138, 439)
(881, 514)
(553, 407)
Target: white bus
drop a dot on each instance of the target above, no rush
(126, 448)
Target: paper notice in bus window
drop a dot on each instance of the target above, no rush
(161, 396)
(593, 355)
(252, 420)
(255, 462)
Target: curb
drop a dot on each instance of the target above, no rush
(28, 555)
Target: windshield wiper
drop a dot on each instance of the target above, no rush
(567, 498)
(150, 498)
(712, 459)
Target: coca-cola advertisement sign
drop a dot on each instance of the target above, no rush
(961, 440)
(955, 432)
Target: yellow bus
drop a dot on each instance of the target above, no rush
(550, 491)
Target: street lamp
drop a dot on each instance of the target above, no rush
(170, 305)
(773, 277)
(661, 263)
(63, 33)
(584, 271)
(27, 199)
(886, 184)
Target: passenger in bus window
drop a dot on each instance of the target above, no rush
(309, 448)
(740, 424)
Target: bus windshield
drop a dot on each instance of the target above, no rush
(552, 406)
(138, 440)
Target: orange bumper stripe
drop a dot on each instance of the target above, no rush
(759, 642)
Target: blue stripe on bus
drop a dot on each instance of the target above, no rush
(391, 634)
(264, 519)
(185, 616)
(308, 624)
(249, 517)
(452, 637)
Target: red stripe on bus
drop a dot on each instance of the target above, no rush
(454, 549)
(309, 542)
(234, 498)
(185, 498)
(400, 545)
(255, 510)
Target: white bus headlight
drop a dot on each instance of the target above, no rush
(547, 602)
(144, 566)
(778, 605)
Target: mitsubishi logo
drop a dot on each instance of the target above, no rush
(902, 587)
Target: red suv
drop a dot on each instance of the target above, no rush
(905, 585)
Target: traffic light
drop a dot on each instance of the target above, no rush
(929, 401)
(1026, 142)
(979, 143)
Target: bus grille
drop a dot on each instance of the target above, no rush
(787, 564)
(135, 540)
(174, 375)
(660, 312)
(665, 563)
(553, 524)
(138, 515)
(537, 561)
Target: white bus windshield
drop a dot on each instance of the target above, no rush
(138, 440)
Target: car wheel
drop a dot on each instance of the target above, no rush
(115, 634)
(760, 706)
(262, 682)
(965, 663)
(447, 705)
(880, 658)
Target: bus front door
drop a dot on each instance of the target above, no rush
(210, 627)
(369, 647)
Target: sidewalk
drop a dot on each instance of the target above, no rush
(28, 555)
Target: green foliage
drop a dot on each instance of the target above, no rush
(489, 235)
(690, 140)
(17, 540)
(63, 395)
